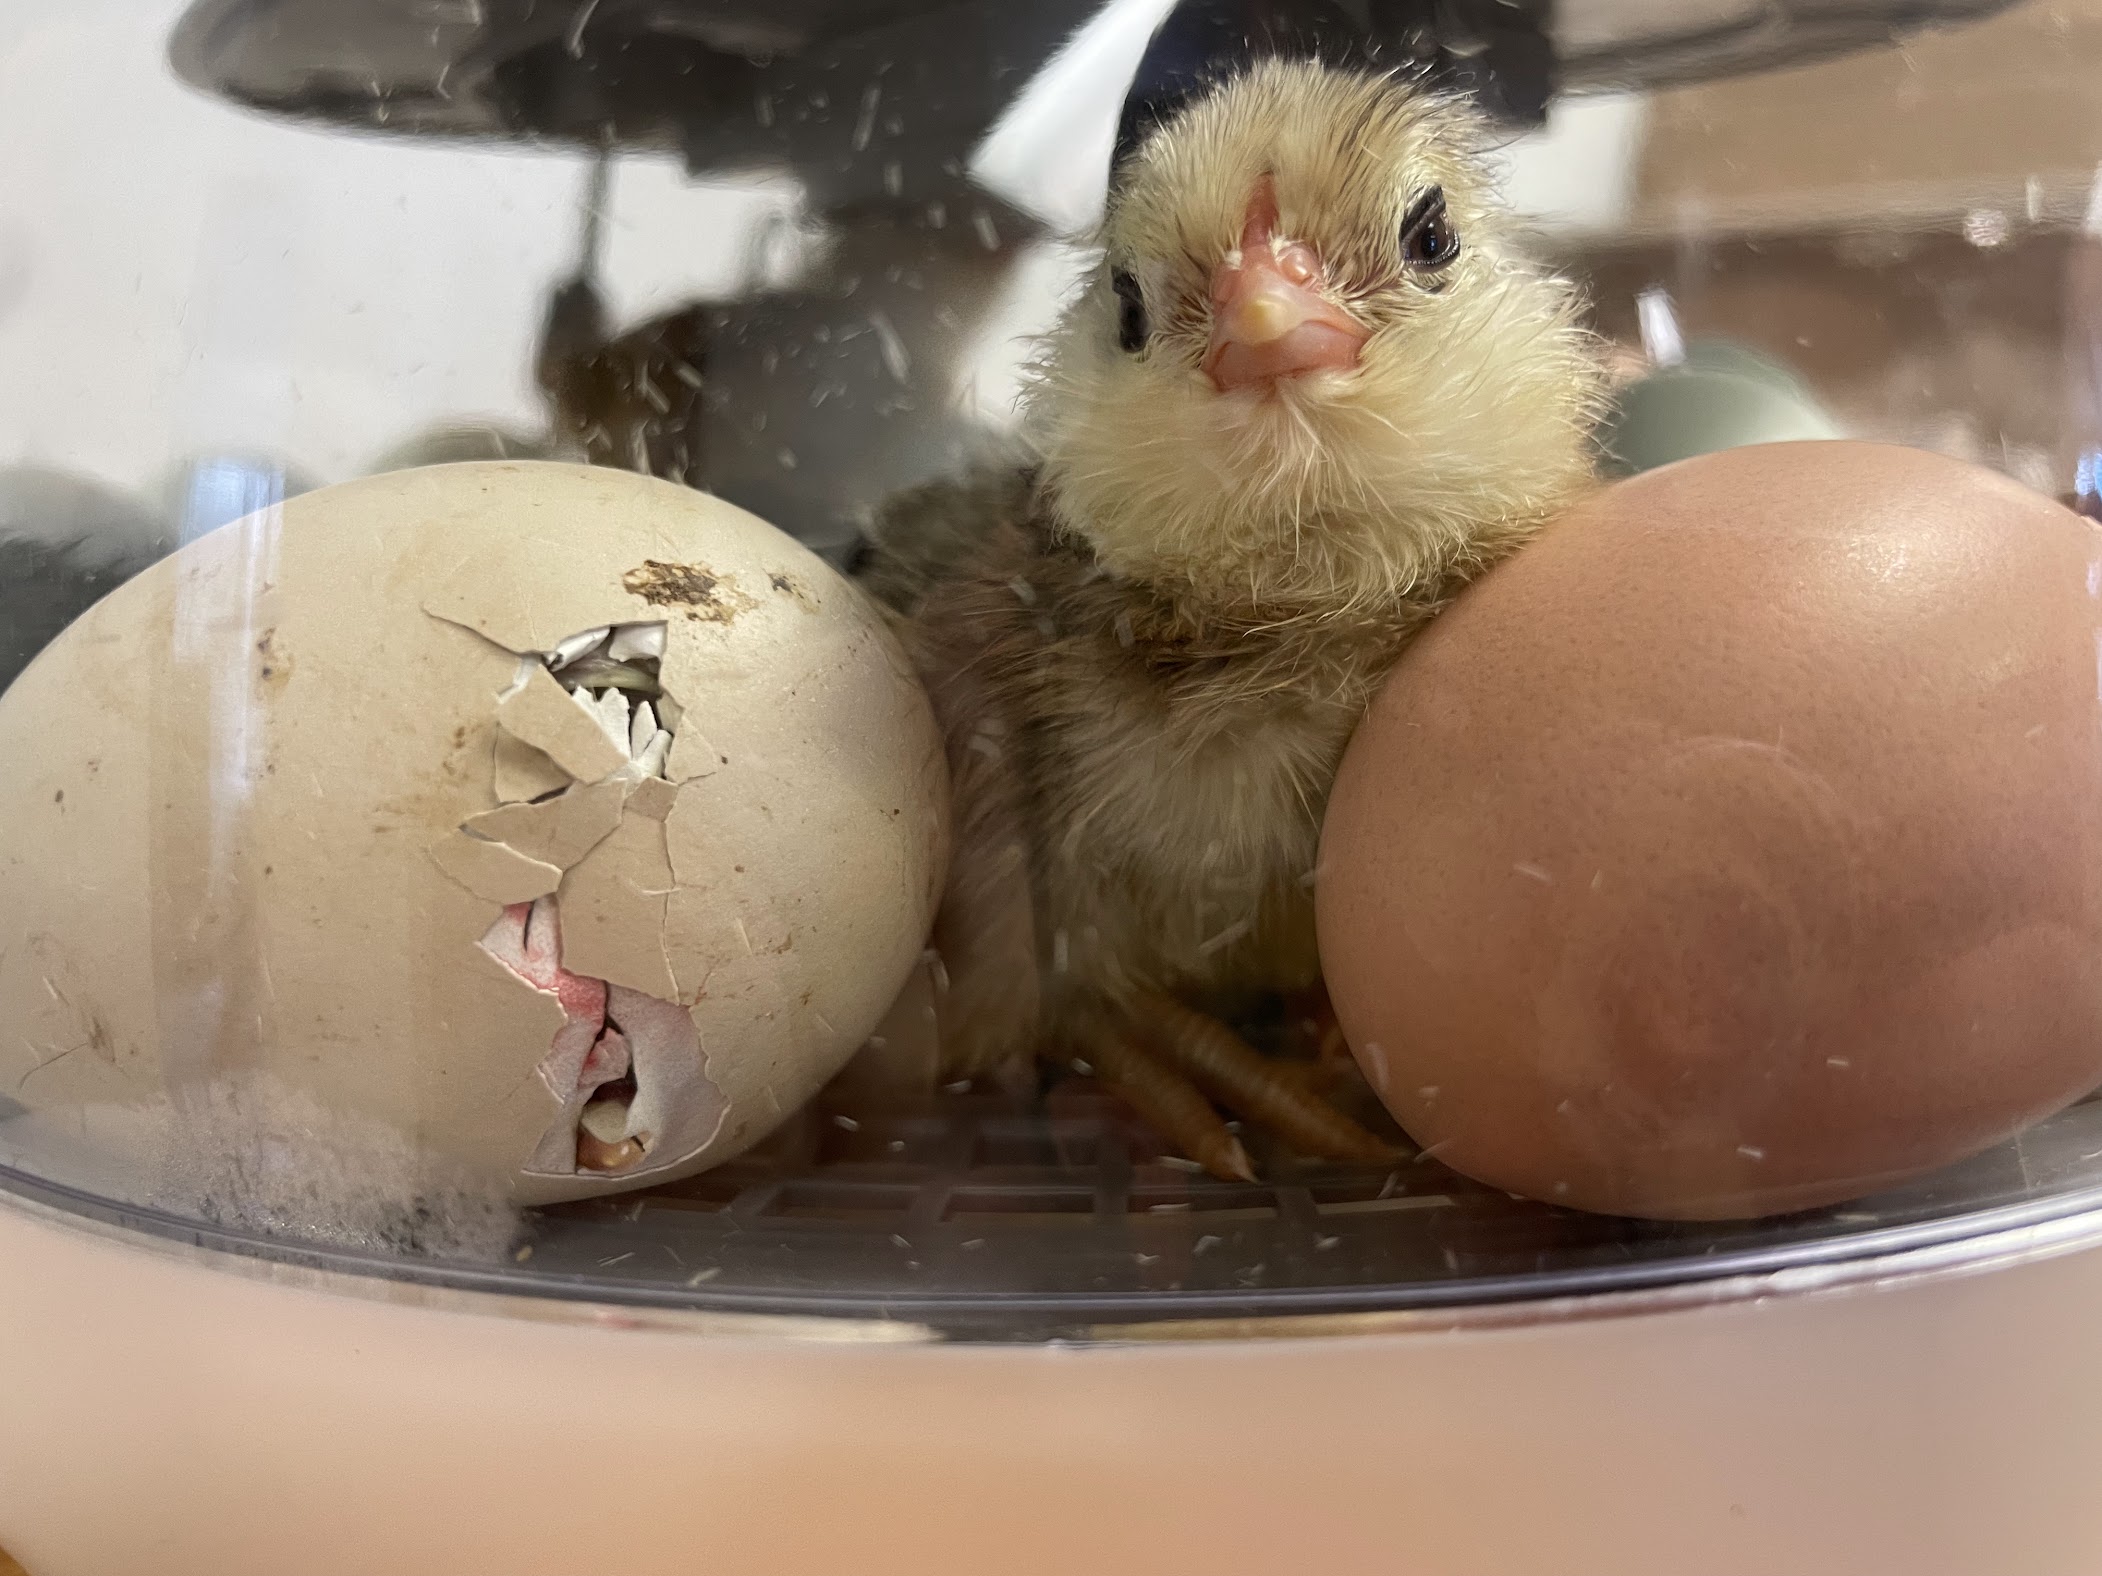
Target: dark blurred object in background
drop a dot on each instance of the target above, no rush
(685, 73)
(65, 543)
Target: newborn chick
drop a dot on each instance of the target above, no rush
(1304, 398)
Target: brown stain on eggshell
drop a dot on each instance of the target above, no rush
(273, 662)
(693, 589)
(788, 585)
(1737, 847)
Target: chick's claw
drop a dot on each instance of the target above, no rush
(1241, 1078)
(1169, 1101)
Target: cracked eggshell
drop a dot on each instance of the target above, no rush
(251, 817)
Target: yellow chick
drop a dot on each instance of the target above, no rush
(1308, 394)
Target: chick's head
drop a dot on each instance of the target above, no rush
(1308, 369)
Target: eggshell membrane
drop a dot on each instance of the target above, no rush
(1737, 847)
(232, 799)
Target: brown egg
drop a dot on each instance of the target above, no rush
(1737, 847)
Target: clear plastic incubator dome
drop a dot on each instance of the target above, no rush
(968, 677)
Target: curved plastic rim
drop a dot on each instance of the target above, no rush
(1961, 1244)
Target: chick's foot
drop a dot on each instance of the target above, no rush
(1252, 1085)
(1167, 1099)
(1171, 1063)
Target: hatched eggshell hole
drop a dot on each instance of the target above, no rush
(1737, 846)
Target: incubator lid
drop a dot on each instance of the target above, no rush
(682, 73)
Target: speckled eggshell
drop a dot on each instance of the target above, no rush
(235, 802)
(1737, 847)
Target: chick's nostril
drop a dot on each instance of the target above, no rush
(1298, 264)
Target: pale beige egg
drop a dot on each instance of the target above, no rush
(572, 825)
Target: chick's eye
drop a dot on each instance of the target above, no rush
(1428, 239)
(1435, 244)
(1132, 327)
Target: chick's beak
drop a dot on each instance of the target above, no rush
(1269, 318)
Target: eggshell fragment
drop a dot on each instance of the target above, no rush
(494, 871)
(1736, 847)
(522, 773)
(613, 910)
(306, 802)
(547, 717)
(559, 832)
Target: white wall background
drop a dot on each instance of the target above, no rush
(180, 278)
